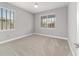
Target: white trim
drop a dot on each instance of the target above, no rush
(51, 36)
(15, 38)
(31, 34)
(71, 48)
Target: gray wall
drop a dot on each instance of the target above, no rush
(61, 29)
(23, 23)
(72, 24)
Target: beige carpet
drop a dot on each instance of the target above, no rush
(36, 45)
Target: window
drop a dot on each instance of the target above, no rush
(6, 19)
(48, 21)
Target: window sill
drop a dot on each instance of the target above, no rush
(7, 30)
(47, 28)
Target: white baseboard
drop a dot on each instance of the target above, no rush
(29, 35)
(15, 38)
(52, 36)
(71, 48)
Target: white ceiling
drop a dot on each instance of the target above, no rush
(42, 6)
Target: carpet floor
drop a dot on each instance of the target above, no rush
(36, 45)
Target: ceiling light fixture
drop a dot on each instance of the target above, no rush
(36, 5)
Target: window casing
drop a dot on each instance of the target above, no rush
(6, 19)
(48, 21)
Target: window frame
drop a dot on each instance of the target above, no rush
(47, 17)
(10, 29)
